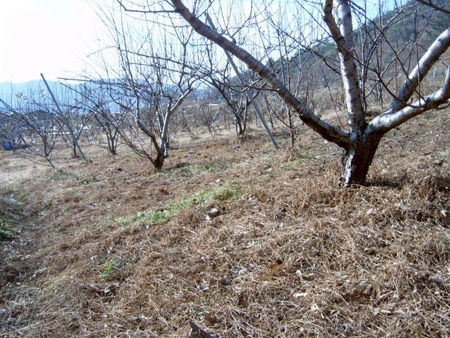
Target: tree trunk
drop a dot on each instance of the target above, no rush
(357, 160)
(74, 150)
(238, 125)
(159, 161)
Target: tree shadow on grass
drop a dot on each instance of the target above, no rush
(434, 182)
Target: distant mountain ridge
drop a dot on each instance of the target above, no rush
(8, 90)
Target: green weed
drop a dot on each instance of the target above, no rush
(64, 175)
(7, 232)
(192, 170)
(202, 168)
(206, 198)
(447, 240)
(11, 202)
(203, 199)
(292, 165)
(111, 268)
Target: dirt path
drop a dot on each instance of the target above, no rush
(15, 169)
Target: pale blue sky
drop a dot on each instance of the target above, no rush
(52, 37)
(45, 36)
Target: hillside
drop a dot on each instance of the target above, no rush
(399, 36)
(240, 239)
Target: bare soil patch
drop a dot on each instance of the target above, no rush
(116, 249)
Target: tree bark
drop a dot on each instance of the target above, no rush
(357, 159)
(159, 161)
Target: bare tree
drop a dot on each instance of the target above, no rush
(152, 82)
(70, 120)
(99, 102)
(359, 138)
(231, 93)
(12, 131)
(110, 124)
(38, 124)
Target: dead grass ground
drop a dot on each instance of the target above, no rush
(290, 254)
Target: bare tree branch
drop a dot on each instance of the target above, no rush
(327, 131)
(438, 47)
(388, 121)
(430, 3)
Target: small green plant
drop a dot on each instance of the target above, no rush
(202, 168)
(203, 199)
(88, 181)
(12, 189)
(13, 195)
(7, 233)
(192, 170)
(11, 202)
(292, 165)
(64, 175)
(111, 268)
(206, 198)
(447, 240)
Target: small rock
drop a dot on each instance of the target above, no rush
(38, 273)
(445, 218)
(305, 276)
(370, 251)
(242, 271)
(213, 212)
(314, 307)
(439, 279)
(300, 294)
(225, 281)
(204, 286)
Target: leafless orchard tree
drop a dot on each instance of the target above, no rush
(298, 81)
(99, 102)
(38, 125)
(71, 120)
(359, 137)
(12, 131)
(153, 80)
(47, 116)
(78, 120)
(110, 124)
(233, 94)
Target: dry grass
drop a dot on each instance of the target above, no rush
(289, 255)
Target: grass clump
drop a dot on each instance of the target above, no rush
(447, 240)
(7, 232)
(11, 204)
(204, 199)
(192, 169)
(202, 168)
(64, 175)
(111, 268)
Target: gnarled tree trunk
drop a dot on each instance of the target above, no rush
(357, 159)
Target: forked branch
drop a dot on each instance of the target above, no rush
(326, 130)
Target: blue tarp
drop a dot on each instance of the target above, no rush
(8, 146)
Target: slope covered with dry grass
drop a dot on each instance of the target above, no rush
(115, 249)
